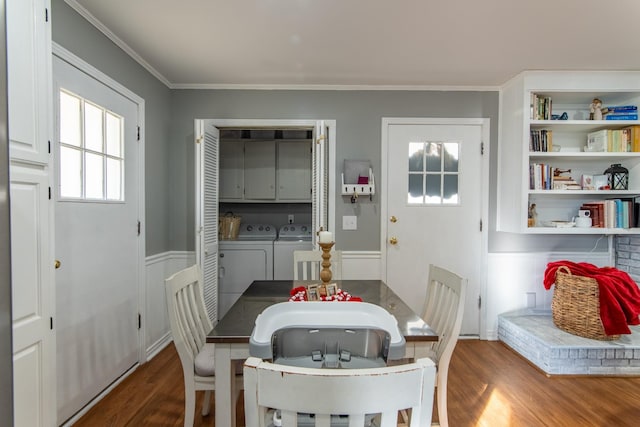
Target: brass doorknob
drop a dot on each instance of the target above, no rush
(393, 240)
(393, 218)
(57, 264)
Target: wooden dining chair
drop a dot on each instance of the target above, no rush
(444, 307)
(351, 393)
(190, 324)
(307, 265)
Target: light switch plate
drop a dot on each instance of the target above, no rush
(349, 222)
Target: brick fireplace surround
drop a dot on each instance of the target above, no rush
(531, 333)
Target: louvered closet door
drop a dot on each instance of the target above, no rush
(320, 178)
(209, 254)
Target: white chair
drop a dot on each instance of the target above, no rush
(346, 392)
(307, 265)
(444, 307)
(189, 326)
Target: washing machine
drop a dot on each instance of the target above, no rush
(241, 261)
(291, 237)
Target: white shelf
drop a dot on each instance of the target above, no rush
(581, 230)
(570, 93)
(607, 194)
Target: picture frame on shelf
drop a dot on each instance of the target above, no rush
(600, 182)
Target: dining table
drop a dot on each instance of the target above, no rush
(231, 334)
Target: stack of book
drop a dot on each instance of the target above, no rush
(615, 140)
(613, 213)
(541, 140)
(620, 112)
(565, 183)
(540, 107)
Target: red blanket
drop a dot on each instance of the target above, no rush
(619, 293)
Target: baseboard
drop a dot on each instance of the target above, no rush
(159, 345)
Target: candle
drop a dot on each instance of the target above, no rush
(326, 237)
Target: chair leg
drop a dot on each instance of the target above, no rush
(441, 397)
(206, 403)
(189, 404)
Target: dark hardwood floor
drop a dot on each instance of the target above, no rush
(489, 386)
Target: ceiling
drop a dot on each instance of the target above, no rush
(367, 43)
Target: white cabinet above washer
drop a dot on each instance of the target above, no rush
(258, 171)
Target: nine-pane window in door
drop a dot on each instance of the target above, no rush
(433, 173)
(91, 161)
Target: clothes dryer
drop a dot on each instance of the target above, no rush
(291, 237)
(248, 258)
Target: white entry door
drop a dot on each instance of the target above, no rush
(97, 235)
(434, 209)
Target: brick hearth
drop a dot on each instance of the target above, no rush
(531, 333)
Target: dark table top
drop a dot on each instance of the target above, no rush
(237, 325)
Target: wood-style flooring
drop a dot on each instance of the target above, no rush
(489, 385)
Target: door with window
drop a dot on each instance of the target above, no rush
(97, 235)
(434, 209)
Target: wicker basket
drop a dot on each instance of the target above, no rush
(575, 306)
(229, 226)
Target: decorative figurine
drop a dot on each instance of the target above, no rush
(532, 219)
(596, 109)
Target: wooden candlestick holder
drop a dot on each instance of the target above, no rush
(325, 273)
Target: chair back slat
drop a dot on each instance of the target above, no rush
(345, 392)
(307, 265)
(187, 314)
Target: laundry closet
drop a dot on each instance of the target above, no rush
(265, 181)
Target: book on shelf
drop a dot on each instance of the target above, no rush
(621, 116)
(612, 140)
(634, 137)
(613, 213)
(619, 109)
(541, 140)
(540, 107)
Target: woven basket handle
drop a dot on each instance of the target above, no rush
(564, 269)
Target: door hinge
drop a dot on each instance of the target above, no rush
(139, 321)
(479, 302)
(46, 15)
(49, 145)
(49, 193)
(139, 226)
(481, 225)
(482, 148)
(51, 323)
(199, 139)
(138, 133)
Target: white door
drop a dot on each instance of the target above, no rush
(97, 235)
(434, 209)
(28, 37)
(207, 148)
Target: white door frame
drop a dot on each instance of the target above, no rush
(386, 122)
(267, 123)
(98, 75)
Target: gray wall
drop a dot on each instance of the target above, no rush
(74, 33)
(6, 353)
(358, 115)
(169, 136)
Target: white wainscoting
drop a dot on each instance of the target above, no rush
(156, 322)
(365, 265)
(511, 276)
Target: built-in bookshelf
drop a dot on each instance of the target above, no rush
(550, 141)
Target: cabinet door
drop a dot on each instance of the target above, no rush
(260, 170)
(294, 170)
(231, 170)
(29, 79)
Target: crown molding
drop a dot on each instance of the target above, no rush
(121, 44)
